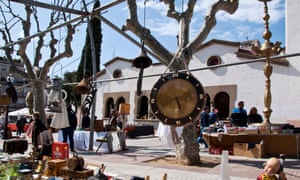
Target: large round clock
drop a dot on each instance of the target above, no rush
(177, 98)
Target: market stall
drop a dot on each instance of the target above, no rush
(254, 145)
(81, 140)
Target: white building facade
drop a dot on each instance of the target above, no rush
(224, 86)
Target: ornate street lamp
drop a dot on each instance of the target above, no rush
(267, 49)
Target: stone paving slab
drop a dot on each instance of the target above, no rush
(132, 162)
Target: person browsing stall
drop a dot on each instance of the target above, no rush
(213, 116)
(86, 120)
(38, 127)
(204, 122)
(253, 116)
(68, 132)
(239, 115)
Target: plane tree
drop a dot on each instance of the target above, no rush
(45, 38)
(180, 59)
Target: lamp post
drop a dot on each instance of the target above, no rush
(267, 49)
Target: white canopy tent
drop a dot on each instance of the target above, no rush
(22, 112)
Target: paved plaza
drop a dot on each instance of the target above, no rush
(135, 162)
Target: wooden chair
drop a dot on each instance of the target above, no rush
(103, 139)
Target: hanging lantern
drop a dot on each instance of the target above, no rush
(142, 62)
(83, 87)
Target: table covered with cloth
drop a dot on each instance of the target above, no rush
(82, 140)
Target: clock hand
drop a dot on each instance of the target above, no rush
(177, 102)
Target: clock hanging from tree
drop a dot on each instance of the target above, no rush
(177, 98)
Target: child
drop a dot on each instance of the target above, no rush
(271, 168)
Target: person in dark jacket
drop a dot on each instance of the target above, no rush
(86, 120)
(38, 127)
(254, 117)
(204, 122)
(239, 115)
(68, 132)
(20, 125)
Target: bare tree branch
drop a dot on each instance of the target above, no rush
(68, 52)
(26, 25)
(58, 7)
(229, 6)
(135, 27)
(172, 13)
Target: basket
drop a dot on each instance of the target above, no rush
(84, 174)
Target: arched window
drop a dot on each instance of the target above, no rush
(142, 111)
(109, 107)
(214, 60)
(120, 100)
(207, 103)
(222, 104)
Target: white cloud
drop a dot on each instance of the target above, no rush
(249, 13)
(169, 28)
(158, 6)
(253, 11)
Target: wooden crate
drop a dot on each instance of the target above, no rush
(55, 165)
(84, 174)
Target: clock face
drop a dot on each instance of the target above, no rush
(177, 99)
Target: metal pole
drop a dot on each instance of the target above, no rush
(92, 124)
(5, 135)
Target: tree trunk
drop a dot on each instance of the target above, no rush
(39, 99)
(187, 152)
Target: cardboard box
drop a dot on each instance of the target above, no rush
(60, 150)
(248, 150)
(55, 165)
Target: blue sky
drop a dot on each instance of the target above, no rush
(245, 23)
